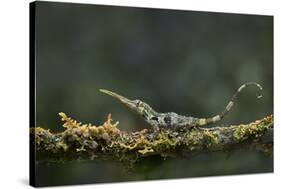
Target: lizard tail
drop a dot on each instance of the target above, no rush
(229, 105)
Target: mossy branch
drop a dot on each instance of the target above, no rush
(86, 141)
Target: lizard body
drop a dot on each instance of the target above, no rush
(172, 119)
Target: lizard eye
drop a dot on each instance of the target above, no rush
(138, 102)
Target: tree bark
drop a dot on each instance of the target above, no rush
(86, 141)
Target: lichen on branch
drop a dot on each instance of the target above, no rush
(87, 141)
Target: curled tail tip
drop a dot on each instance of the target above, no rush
(259, 96)
(260, 88)
(255, 83)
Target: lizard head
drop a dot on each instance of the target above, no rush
(138, 106)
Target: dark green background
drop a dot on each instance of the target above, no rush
(182, 61)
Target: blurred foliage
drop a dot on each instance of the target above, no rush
(182, 61)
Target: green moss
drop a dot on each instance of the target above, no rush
(146, 150)
(86, 140)
(211, 139)
(193, 140)
(252, 130)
